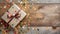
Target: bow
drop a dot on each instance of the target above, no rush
(17, 15)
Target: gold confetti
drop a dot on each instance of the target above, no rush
(4, 6)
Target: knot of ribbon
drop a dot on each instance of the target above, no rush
(17, 15)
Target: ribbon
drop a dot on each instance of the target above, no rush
(17, 15)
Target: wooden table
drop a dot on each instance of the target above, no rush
(37, 13)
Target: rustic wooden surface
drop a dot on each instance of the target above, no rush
(34, 18)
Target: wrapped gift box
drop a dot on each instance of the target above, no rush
(4, 17)
(14, 10)
(15, 21)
